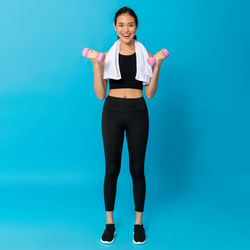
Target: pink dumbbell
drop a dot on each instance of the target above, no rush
(100, 58)
(152, 61)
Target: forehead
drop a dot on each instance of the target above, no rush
(125, 18)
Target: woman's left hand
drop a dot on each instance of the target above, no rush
(159, 57)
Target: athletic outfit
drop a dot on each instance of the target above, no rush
(120, 115)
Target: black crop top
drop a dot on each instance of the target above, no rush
(127, 64)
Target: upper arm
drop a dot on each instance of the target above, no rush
(105, 84)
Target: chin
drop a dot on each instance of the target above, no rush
(125, 40)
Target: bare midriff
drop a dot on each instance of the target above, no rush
(126, 93)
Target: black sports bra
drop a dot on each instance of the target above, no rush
(127, 64)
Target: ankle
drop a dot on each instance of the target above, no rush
(138, 223)
(110, 222)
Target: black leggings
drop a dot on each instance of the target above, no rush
(119, 115)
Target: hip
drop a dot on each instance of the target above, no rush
(124, 104)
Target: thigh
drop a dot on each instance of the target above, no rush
(137, 129)
(113, 136)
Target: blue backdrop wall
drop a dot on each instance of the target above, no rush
(51, 151)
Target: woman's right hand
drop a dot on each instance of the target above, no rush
(93, 56)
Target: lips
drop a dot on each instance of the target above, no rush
(126, 36)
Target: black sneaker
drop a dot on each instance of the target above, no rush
(139, 234)
(108, 234)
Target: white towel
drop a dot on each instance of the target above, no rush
(144, 71)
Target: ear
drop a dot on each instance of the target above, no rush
(114, 26)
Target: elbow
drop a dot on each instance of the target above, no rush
(100, 94)
(149, 96)
(148, 93)
(101, 97)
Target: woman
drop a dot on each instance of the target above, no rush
(125, 110)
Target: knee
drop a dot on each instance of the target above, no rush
(137, 171)
(112, 172)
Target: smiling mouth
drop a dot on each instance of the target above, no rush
(126, 36)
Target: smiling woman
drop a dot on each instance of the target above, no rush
(126, 24)
(125, 109)
(126, 20)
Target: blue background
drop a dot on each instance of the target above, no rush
(51, 152)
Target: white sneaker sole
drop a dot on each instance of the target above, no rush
(139, 242)
(109, 242)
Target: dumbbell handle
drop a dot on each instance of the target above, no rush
(151, 60)
(100, 57)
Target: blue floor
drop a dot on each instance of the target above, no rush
(70, 215)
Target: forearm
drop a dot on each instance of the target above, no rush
(153, 84)
(99, 87)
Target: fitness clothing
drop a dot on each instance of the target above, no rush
(121, 115)
(127, 64)
(144, 72)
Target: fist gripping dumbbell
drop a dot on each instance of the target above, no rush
(100, 58)
(152, 61)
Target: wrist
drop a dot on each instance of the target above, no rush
(96, 65)
(157, 65)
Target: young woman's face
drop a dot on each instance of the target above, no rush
(125, 27)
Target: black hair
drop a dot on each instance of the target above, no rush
(130, 12)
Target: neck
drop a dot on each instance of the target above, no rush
(127, 46)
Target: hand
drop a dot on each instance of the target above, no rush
(159, 57)
(93, 56)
